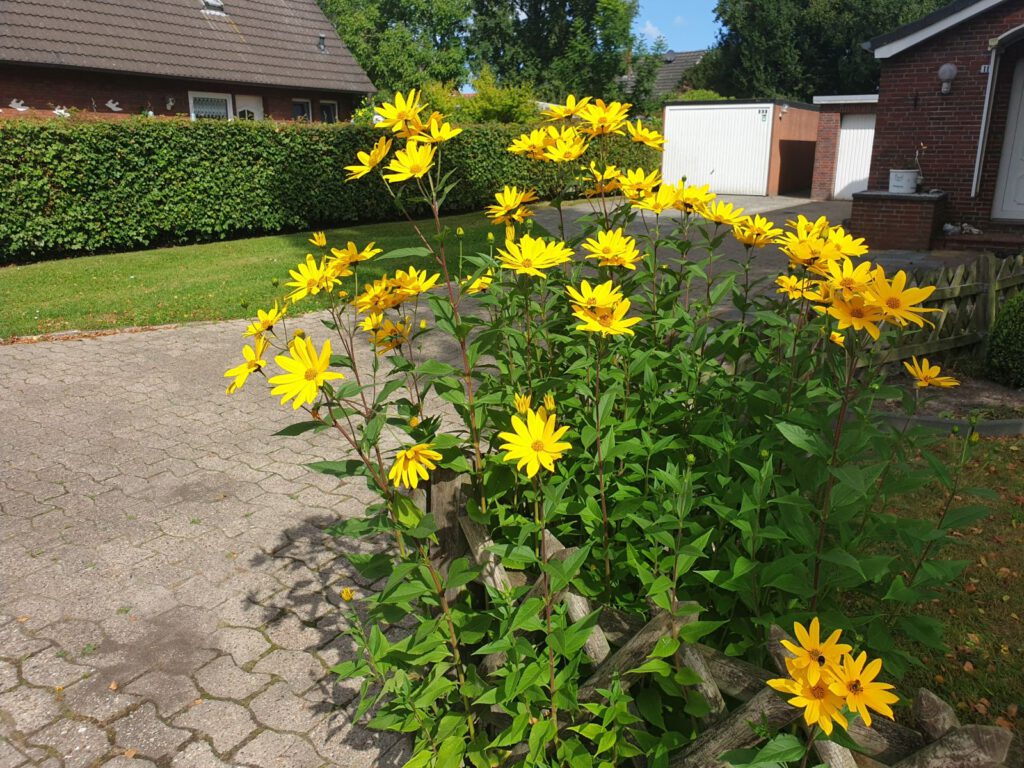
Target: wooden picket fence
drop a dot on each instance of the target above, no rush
(969, 296)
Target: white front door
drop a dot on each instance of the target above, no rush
(1009, 199)
(853, 159)
(249, 107)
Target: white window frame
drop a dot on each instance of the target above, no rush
(334, 103)
(309, 111)
(209, 94)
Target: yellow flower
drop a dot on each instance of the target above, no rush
(846, 279)
(855, 681)
(413, 282)
(571, 108)
(613, 248)
(522, 403)
(637, 184)
(413, 162)
(479, 285)
(423, 325)
(855, 313)
(646, 136)
(821, 706)
(437, 130)
(722, 212)
(693, 199)
(403, 110)
(605, 182)
(319, 239)
(896, 301)
(510, 205)
(368, 160)
(309, 278)
(813, 655)
(411, 465)
(377, 296)
(837, 338)
(389, 335)
(567, 147)
(602, 119)
(549, 403)
(253, 362)
(372, 322)
(927, 375)
(755, 231)
(665, 198)
(306, 372)
(342, 259)
(531, 254)
(534, 443)
(593, 298)
(847, 244)
(533, 144)
(265, 321)
(414, 421)
(347, 594)
(793, 287)
(804, 227)
(607, 322)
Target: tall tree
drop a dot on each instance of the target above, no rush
(555, 46)
(799, 48)
(403, 43)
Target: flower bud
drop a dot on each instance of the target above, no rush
(764, 454)
(348, 595)
(275, 282)
(955, 430)
(423, 325)
(691, 459)
(490, 237)
(975, 437)
(460, 232)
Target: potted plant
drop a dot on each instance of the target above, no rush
(904, 181)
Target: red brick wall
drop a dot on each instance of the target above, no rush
(905, 222)
(911, 110)
(43, 88)
(826, 153)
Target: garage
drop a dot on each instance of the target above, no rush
(846, 136)
(741, 147)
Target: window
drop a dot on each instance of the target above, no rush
(302, 110)
(209, 106)
(328, 111)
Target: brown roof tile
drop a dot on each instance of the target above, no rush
(267, 42)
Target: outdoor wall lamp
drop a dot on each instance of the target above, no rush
(947, 74)
(169, 103)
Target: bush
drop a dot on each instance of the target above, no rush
(75, 188)
(1006, 346)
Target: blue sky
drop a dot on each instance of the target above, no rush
(686, 26)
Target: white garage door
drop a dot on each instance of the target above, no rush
(725, 145)
(853, 160)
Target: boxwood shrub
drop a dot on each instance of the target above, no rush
(1006, 344)
(73, 188)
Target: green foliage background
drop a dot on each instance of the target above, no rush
(1006, 345)
(79, 188)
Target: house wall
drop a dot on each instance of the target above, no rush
(911, 111)
(792, 153)
(43, 88)
(826, 153)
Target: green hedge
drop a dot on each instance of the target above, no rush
(74, 188)
(1006, 344)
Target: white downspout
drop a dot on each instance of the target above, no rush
(986, 113)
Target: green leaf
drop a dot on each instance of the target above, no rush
(299, 428)
(784, 748)
(803, 439)
(665, 647)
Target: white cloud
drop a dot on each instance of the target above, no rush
(650, 31)
(679, 21)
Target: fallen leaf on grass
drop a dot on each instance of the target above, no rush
(1011, 711)
(1002, 722)
(970, 588)
(968, 667)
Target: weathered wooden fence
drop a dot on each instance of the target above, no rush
(969, 296)
(736, 691)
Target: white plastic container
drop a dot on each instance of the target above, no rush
(903, 182)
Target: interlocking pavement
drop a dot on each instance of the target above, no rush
(168, 595)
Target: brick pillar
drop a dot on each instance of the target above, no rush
(825, 154)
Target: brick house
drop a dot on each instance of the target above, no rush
(954, 82)
(226, 59)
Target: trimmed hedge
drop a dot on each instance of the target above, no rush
(1006, 344)
(75, 188)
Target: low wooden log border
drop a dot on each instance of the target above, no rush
(938, 740)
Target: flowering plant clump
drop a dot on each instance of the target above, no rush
(693, 438)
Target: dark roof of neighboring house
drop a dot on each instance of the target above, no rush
(264, 42)
(931, 20)
(675, 65)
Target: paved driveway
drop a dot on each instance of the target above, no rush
(167, 593)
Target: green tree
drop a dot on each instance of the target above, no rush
(799, 48)
(555, 46)
(403, 43)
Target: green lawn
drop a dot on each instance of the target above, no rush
(212, 281)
